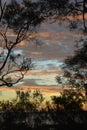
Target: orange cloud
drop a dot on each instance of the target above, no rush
(36, 53)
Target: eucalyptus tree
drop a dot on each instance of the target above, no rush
(69, 10)
(75, 69)
(20, 20)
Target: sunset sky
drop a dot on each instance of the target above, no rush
(58, 42)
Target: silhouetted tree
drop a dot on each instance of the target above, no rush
(75, 68)
(26, 101)
(69, 100)
(56, 9)
(21, 20)
(65, 9)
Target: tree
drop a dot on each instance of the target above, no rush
(21, 20)
(68, 100)
(55, 9)
(75, 68)
(65, 9)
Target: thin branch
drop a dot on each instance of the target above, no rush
(4, 36)
(2, 8)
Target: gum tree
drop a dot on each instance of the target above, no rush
(75, 69)
(19, 20)
(66, 10)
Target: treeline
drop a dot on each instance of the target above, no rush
(30, 110)
(29, 101)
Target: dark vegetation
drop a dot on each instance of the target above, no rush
(21, 20)
(30, 110)
(62, 10)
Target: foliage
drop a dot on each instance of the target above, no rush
(20, 20)
(24, 101)
(67, 10)
(56, 9)
(24, 113)
(75, 68)
(69, 100)
(26, 15)
(31, 101)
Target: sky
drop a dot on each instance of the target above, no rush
(56, 43)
